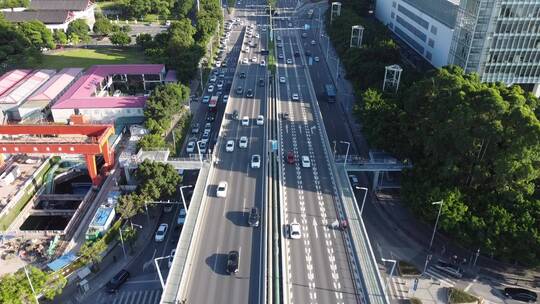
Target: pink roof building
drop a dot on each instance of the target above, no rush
(20, 91)
(11, 78)
(88, 90)
(49, 92)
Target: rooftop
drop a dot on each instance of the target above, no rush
(22, 89)
(56, 84)
(47, 17)
(11, 78)
(82, 93)
(72, 5)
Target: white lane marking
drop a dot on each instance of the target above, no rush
(315, 228)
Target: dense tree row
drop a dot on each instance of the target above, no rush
(14, 3)
(474, 145)
(166, 8)
(183, 45)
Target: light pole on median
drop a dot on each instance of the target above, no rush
(122, 241)
(199, 150)
(159, 270)
(347, 153)
(364, 200)
(440, 203)
(182, 194)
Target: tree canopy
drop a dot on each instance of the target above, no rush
(79, 28)
(475, 146)
(15, 48)
(158, 180)
(39, 35)
(15, 288)
(165, 101)
(120, 39)
(102, 26)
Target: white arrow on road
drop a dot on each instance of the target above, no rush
(315, 228)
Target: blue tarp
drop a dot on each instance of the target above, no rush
(62, 261)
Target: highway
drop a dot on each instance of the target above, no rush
(224, 220)
(317, 267)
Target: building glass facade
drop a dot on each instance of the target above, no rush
(498, 39)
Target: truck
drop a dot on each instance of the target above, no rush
(212, 104)
(330, 92)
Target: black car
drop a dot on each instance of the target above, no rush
(210, 117)
(239, 90)
(261, 82)
(521, 294)
(308, 53)
(296, 54)
(249, 93)
(254, 216)
(232, 262)
(242, 75)
(117, 281)
(234, 115)
(284, 116)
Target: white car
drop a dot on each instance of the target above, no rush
(260, 120)
(161, 232)
(245, 121)
(263, 63)
(306, 163)
(316, 58)
(171, 257)
(244, 50)
(290, 24)
(243, 142)
(206, 99)
(289, 61)
(245, 60)
(281, 79)
(210, 88)
(294, 231)
(295, 97)
(213, 79)
(280, 56)
(254, 59)
(225, 98)
(207, 127)
(220, 84)
(190, 148)
(230, 146)
(218, 64)
(280, 45)
(257, 35)
(221, 189)
(181, 219)
(255, 161)
(313, 42)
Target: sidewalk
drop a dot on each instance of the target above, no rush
(112, 263)
(443, 247)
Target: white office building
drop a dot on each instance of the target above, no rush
(498, 39)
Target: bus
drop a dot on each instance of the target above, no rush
(330, 92)
(212, 104)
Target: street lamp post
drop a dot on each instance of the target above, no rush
(159, 270)
(122, 242)
(440, 203)
(31, 286)
(182, 194)
(364, 200)
(346, 153)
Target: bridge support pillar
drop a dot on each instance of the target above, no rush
(92, 168)
(108, 155)
(376, 176)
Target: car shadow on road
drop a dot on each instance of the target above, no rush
(239, 218)
(217, 262)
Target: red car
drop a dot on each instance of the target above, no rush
(290, 157)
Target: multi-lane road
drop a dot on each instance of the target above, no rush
(317, 267)
(225, 219)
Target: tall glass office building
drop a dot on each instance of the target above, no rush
(498, 39)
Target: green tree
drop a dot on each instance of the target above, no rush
(144, 40)
(90, 252)
(120, 39)
(38, 34)
(152, 141)
(158, 180)
(15, 49)
(129, 205)
(15, 288)
(165, 101)
(74, 39)
(183, 7)
(80, 28)
(138, 8)
(125, 28)
(60, 37)
(102, 26)
(476, 146)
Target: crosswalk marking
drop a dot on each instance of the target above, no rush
(434, 273)
(149, 296)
